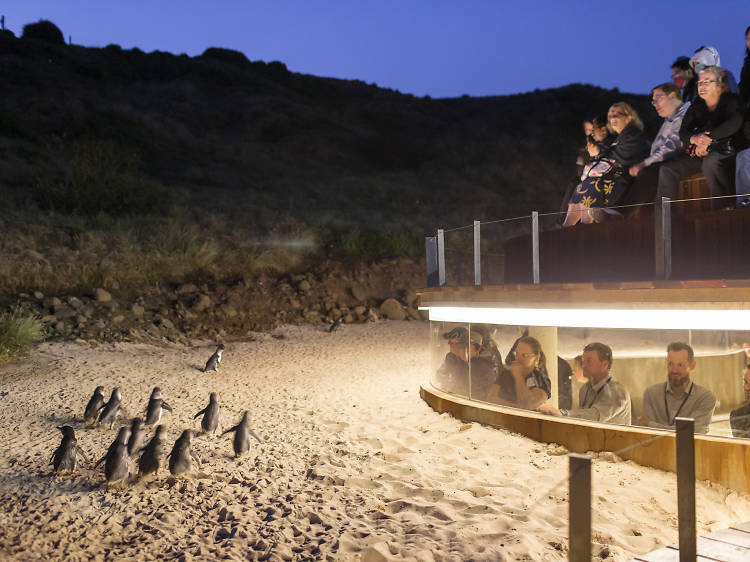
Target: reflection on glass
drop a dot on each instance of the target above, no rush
(700, 378)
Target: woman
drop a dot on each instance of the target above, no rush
(525, 384)
(605, 179)
(711, 133)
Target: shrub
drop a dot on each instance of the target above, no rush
(43, 30)
(226, 55)
(18, 334)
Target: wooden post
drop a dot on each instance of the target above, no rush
(685, 455)
(477, 255)
(579, 513)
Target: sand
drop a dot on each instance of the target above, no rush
(353, 464)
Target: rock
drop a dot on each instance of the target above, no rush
(54, 301)
(38, 295)
(60, 327)
(312, 316)
(392, 309)
(371, 316)
(118, 319)
(358, 293)
(202, 303)
(165, 323)
(304, 286)
(413, 313)
(75, 303)
(49, 319)
(101, 295)
(137, 310)
(187, 289)
(228, 311)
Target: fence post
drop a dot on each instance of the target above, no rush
(430, 244)
(477, 255)
(685, 456)
(441, 256)
(579, 508)
(663, 238)
(535, 247)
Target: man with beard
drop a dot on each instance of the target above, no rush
(679, 396)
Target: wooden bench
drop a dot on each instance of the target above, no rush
(692, 187)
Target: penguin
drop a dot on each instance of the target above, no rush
(213, 362)
(65, 458)
(181, 455)
(155, 406)
(210, 413)
(117, 460)
(111, 409)
(242, 435)
(153, 452)
(137, 436)
(94, 405)
(335, 326)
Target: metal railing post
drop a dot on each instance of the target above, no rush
(685, 456)
(579, 508)
(663, 239)
(477, 255)
(535, 247)
(430, 244)
(441, 256)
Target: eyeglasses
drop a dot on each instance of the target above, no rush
(658, 99)
(613, 115)
(707, 82)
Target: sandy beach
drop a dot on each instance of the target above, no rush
(353, 464)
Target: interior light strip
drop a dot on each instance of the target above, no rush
(653, 319)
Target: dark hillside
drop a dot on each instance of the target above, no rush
(86, 130)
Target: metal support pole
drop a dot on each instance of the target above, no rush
(535, 247)
(477, 255)
(441, 256)
(685, 454)
(579, 509)
(663, 238)
(430, 245)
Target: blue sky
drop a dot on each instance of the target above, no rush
(439, 48)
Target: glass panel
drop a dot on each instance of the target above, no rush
(506, 251)
(459, 256)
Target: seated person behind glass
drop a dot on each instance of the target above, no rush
(453, 374)
(739, 419)
(602, 398)
(525, 383)
(679, 396)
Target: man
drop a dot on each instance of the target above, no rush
(667, 101)
(684, 78)
(464, 371)
(602, 398)
(679, 396)
(739, 419)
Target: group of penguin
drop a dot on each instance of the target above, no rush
(130, 440)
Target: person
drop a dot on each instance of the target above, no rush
(711, 132)
(667, 101)
(582, 158)
(606, 177)
(602, 398)
(463, 370)
(525, 384)
(742, 178)
(739, 418)
(705, 56)
(578, 369)
(684, 78)
(679, 396)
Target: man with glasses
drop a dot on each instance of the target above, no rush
(679, 396)
(602, 398)
(667, 101)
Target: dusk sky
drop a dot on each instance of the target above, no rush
(439, 48)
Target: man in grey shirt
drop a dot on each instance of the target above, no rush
(679, 396)
(602, 398)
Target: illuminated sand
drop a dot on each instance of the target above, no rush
(354, 465)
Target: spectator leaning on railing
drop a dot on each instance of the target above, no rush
(711, 133)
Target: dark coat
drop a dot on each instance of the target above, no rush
(723, 123)
(629, 148)
(745, 82)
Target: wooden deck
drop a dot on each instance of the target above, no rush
(730, 545)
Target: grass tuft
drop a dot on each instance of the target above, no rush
(18, 334)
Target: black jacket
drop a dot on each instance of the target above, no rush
(725, 123)
(629, 148)
(745, 82)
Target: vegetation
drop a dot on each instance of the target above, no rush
(18, 334)
(43, 30)
(123, 168)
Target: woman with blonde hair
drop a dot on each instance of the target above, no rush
(605, 179)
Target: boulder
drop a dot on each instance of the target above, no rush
(392, 309)
(304, 286)
(358, 293)
(101, 295)
(202, 303)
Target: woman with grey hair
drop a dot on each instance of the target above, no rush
(711, 133)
